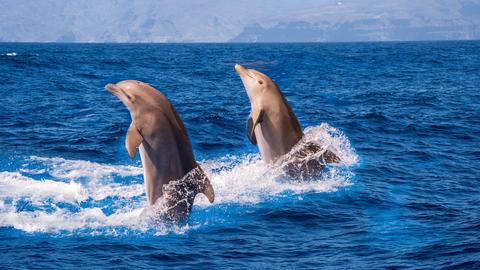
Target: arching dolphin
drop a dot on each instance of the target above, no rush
(272, 125)
(170, 169)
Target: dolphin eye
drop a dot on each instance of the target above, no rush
(260, 82)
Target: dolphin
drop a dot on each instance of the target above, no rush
(170, 170)
(273, 126)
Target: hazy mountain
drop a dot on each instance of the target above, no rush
(372, 20)
(240, 20)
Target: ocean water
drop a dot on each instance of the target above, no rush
(404, 118)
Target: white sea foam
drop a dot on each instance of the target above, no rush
(80, 169)
(64, 220)
(248, 180)
(87, 196)
(13, 54)
(334, 140)
(17, 186)
(72, 182)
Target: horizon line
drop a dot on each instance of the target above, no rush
(237, 42)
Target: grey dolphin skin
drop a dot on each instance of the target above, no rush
(170, 169)
(272, 125)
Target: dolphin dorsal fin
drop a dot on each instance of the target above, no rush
(133, 140)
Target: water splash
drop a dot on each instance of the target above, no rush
(57, 195)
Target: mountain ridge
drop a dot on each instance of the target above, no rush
(239, 21)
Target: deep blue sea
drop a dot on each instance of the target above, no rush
(403, 117)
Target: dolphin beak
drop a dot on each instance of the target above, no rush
(112, 88)
(120, 94)
(240, 69)
(116, 90)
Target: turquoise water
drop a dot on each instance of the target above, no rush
(404, 118)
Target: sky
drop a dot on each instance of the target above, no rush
(237, 20)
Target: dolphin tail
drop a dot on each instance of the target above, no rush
(330, 157)
(208, 190)
(204, 185)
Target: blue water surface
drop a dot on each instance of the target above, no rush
(409, 197)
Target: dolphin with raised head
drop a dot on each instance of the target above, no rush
(272, 125)
(170, 170)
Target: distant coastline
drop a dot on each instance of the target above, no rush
(244, 42)
(239, 21)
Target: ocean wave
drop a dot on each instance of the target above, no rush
(14, 54)
(15, 185)
(61, 168)
(83, 196)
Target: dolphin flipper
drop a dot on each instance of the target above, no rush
(251, 131)
(252, 125)
(133, 140)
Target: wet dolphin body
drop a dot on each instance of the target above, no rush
(170, 169)
(273, 126)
